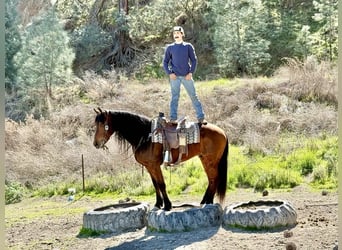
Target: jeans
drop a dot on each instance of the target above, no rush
(190, 89)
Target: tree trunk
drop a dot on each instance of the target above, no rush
(123, 5)
(94, 12)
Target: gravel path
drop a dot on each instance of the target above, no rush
(55, 224)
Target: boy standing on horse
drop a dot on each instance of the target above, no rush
(180, 63)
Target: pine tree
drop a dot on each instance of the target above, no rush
(13, 44)
(46, 57)
(238, 40)
(325, 39)
(45, 60)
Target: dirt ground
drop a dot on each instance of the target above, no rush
(55, 224)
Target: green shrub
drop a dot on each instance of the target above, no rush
(328, 153)
(14, 192)
(260, 172)
(90, 41)
(277, 178)
(302, 160)
(320, 174)
(53, 189)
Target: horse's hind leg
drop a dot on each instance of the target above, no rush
(212, 173)
(208, 197)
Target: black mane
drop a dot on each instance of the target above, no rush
(129, 128)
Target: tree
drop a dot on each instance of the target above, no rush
(238, 39)
(100, 36)
(288, 25)
(89, 42)
(325, 39)
(13, 44)
(45, 58)
(151, 36)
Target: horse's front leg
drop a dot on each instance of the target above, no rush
(159, 198)
(160, 187)
(167, 202)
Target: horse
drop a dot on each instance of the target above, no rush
(135, 130)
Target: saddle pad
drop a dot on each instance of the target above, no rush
(191, 128)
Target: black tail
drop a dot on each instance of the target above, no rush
(222, 174)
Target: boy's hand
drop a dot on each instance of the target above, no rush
(188, 76)
(173, 76)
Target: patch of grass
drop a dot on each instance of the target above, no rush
(43, 209)
(312, 156)
(302, 160)
(215, 83)
(316, 156)
(86, 232)
(52, 189)
(189, 177)
(230, 83)
(264, 172)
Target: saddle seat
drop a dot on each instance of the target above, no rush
(174, 136)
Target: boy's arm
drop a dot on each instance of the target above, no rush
(193, 58)
(166, 60)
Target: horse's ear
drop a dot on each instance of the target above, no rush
(98, 111)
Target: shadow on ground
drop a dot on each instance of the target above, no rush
(155, 240)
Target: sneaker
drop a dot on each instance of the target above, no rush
(202, 121)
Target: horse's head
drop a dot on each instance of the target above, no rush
(103, 128)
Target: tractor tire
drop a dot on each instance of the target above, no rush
(187, 218)
(260, 214)
(117, 218)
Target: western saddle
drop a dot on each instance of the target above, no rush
(174, 136)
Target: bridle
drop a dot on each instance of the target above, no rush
(106, 125)
(107, 130)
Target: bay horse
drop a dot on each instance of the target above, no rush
(135, 131)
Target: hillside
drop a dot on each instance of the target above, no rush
(262, 116)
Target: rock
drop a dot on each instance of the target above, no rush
(290, 246)
(288, 234)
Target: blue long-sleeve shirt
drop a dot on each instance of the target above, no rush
(180, 59)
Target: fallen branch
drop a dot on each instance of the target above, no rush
(323, 204)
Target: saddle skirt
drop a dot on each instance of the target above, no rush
(174, 134)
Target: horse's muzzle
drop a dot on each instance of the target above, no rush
(100, 144)
(96, 144)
